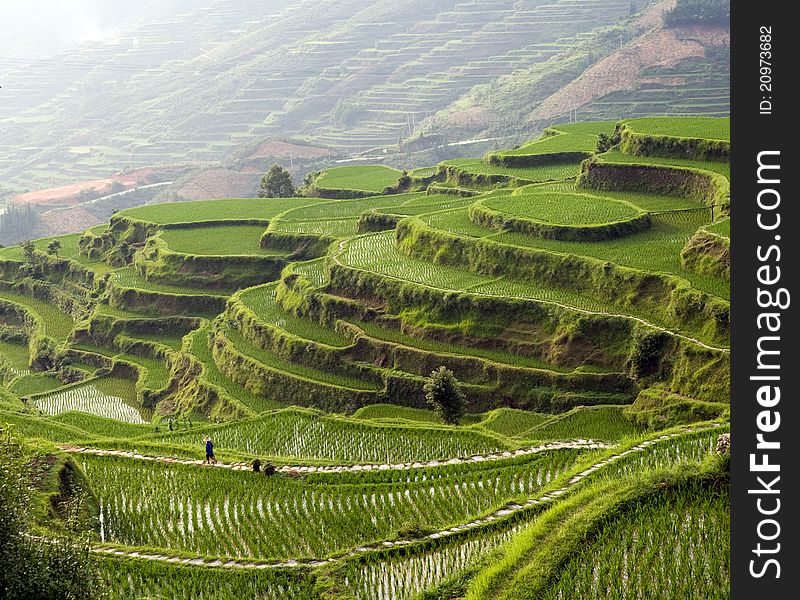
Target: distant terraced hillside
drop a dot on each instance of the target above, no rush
(203, 82)
(642, 67)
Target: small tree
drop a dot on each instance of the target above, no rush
(442, 392)
(28, 250)
(607, 142)
(276, 183)
(54, 247)
(33, 265)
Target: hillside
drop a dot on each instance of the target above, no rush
(247, 83)
(580, 296)
(642, 67)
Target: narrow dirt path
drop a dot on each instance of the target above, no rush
(579, 444)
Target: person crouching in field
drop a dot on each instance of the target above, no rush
(210, 451)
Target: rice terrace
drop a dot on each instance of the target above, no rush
(574, 292)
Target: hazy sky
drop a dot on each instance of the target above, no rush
(39, 26)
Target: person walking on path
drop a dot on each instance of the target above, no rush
(210, 451)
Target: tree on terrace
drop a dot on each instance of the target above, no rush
(442, 392)
(276, 183)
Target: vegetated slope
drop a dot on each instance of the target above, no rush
(232, 80)
(641, 68)
(580, 300)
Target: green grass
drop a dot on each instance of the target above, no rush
(121, 313)
(689, 127)
(16, 354)
(104, 426)
(33, 426)
(427, 200)
(297, 434)
(366, 178)
(338, 228)
(606, 423)
(217, 240)
(57, 323)
(282, 365)
(435, 202)
(315, 271)
(563, 142)
(588, 128)
(459, 223)
(199, 348)
(554, 172)
(646, 201)
(512, 422)
(534, 561)
(423, 172)
(216, 512)
(377, 253)
(395, 336)
(409, 575)
(69, 249)
(129, 278)
(171, 340)
(156, 372)
(261, 300)
(722, 228)
(694, 564)
(35, 383)
(392, 413)
(332, 210)
(615, 156)
(337, 218)
(213, 210)
(564, 208)
(133, 579)
(655, 250)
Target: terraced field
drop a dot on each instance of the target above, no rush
(246, 209)
(563, 208)
(361, 179)
(552, 172)
(129, 278)
(68, 249)
(692, 127)
(396, 336)
(702, 520)
(55, 321)
(615, 156)
(16, 356)
(587, 344)
(107, 397)
(272, 520)
(199, 348)
(574, 142)
(217, 241)
(261, 300)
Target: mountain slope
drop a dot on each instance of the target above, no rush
(195, 81)
(642, 67)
